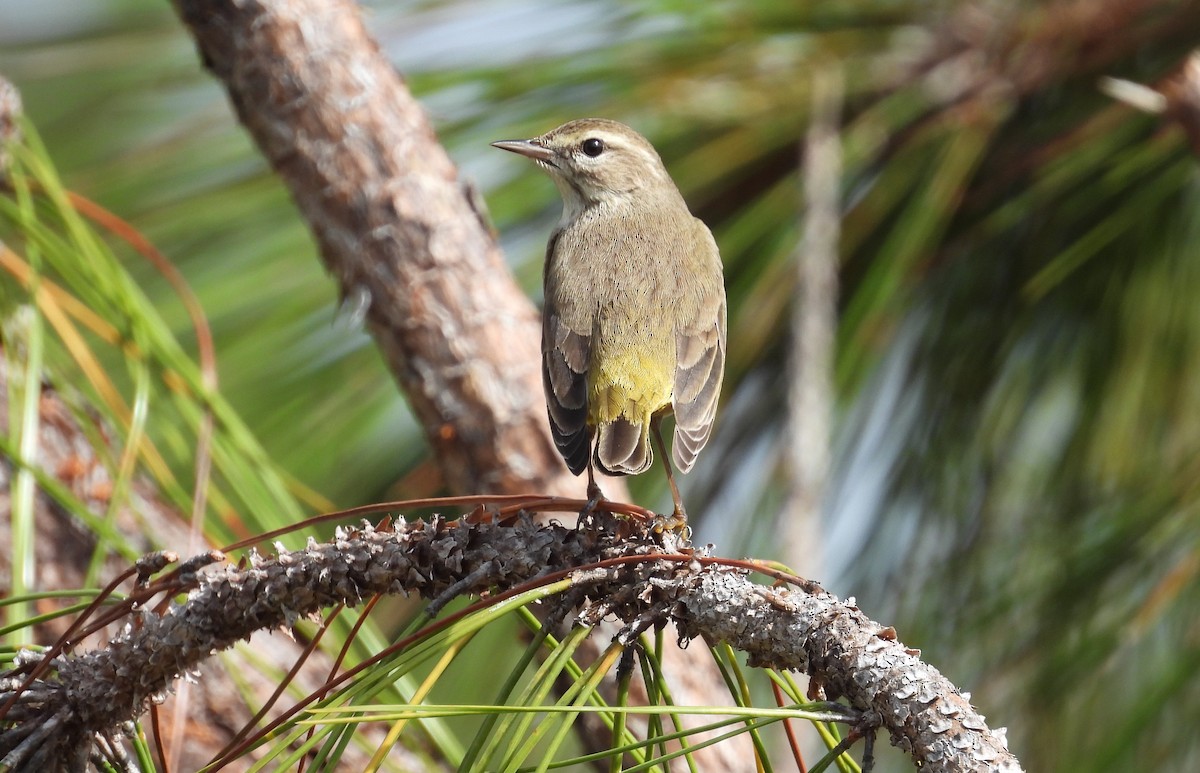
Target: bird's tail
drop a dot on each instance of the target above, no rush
(623, 447)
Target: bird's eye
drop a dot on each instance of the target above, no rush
(593, 147)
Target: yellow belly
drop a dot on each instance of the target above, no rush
(633, 383)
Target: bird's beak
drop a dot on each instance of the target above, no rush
(530, 148)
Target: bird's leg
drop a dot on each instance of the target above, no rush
(679, 518)
(595, 495)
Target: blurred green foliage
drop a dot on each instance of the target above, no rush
(1018, 364)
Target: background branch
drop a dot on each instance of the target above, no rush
(396, 227)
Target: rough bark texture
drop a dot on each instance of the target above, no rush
(850, 656)
(396, 227)
(846, 653)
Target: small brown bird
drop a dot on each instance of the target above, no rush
(634, 321)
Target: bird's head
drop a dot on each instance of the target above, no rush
(594, 160)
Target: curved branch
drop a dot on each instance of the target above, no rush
(845, 652)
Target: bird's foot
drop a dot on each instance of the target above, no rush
(675, 522)
(672, 532)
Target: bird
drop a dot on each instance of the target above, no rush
(634, 315)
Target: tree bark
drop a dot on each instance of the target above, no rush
(396, 227)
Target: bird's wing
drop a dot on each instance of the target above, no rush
(699, 368)
(565, 357)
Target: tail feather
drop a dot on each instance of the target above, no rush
(623, 447)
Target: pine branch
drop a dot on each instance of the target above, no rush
(89, 698)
